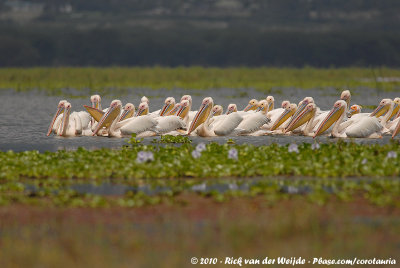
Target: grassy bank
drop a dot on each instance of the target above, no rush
(103, 79)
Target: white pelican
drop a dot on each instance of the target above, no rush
(251, 106)
(191, 113)
(143, 109)
(272, 114)
(355, 109)
(231, 108)
(145, 125)
(96, 114)
(386, 108)
(96, 103)
(302, 105)
(305, 117)
(145, 99)
(231, 124)
(270, 100)
(221, 125)
(128, 111)
(279, 125)
(217, 110)
(128, 126)
(169, 104)
(74, 124)
(55, 122)
(184, 111)
(253, 122)
(365, 127)
(346, 96)
(174, 110)
(396, 109)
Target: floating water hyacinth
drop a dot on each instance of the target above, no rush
(200, 147)
(293, 148)
(364, 161)
(144, 156)
(315, 146)
(392, 154)
(196, 154)
(150, 156)
(233, 154)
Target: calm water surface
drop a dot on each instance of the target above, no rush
(25, 116)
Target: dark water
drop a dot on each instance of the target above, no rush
(25, 116)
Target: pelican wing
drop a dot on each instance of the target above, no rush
(138, 124)
(275, 114)
(253, 122)
(364, 128)
(228, 124)
(85, 119)
(167, 124)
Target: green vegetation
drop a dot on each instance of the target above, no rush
(169, 171)
(331, 160)
(172, 139)
(107, 80)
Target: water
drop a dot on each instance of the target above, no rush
(25, 116)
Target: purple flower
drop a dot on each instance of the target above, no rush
(150, 156)
(315, 146)
(364, 161)
(233, 154)
(293, 148)
(200, 147)
(391, 154)
(196, 154)
(143, 157)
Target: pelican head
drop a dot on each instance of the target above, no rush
(113, 111)
(382, 108)
(174, 110)
(187, 97)
(128, 111)
(253, 104)
(231, 108)
(286, 114)
(60, 110)
(285, 104)
(338, 109)
(270, 100)
(217, 110)
(65, 119)
(96, 101)
(346, 96)
(144, 99)
(169, 104)
(202, 114)
(301, 107)
(263, 106)
(302, 118)
(143, 109)
(183, 109)
(354, 109)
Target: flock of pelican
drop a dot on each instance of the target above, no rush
(256, 119)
